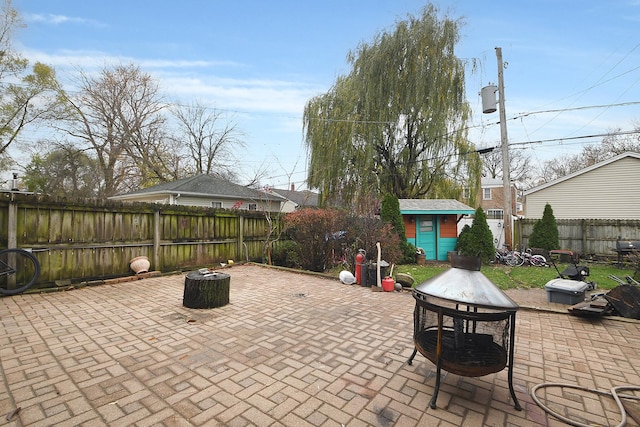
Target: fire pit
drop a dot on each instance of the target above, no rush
(464, 324)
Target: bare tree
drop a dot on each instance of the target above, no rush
(210, 140)
(118, 115)
(557, 168)
(519, 165)
(613, 144)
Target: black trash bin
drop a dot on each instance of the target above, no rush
(372, 273)
(367, 279)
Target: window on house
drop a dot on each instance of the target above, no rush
(253, 207)
(495, 214)
(486, 193)
(216, 205)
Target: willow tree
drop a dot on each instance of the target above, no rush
(396, 123)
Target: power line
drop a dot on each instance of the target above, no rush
(587, 107)
(571, 138)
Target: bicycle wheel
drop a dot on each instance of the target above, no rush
(538, 260)
(514, 259)
(19, 270)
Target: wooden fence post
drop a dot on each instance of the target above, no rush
(156, 239)
(239, 250)
(12, 224)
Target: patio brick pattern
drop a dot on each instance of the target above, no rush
(289, 350)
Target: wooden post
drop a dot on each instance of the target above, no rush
(156, 239)
(240, 245)
(504, 142)
(12, 224)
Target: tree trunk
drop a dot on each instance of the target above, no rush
(206, 291)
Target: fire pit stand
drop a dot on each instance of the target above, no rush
(464, 324)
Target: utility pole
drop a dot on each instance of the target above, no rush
(504, 140)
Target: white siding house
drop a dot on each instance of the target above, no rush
(205, 191)
(293, 200)
(605, 190)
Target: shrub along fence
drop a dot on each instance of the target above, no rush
(595, 238)
(79, 240)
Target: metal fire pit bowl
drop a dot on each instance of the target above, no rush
(464, 324)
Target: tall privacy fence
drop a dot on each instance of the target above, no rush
(92, 239)
(587, 237)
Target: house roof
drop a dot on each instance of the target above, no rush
(202, 186)
(300, 198)
(434, 206)
(583, 171)
(492, 182)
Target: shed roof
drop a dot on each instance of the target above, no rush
(434, 207)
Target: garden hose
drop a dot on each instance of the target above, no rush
(613, 393)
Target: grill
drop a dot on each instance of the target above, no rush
(464, 324)
(625, 247)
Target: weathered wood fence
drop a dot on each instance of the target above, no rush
(77, 240)
(587, 237)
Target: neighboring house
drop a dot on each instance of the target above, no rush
(492, 198)
(294, 200)
(432, 224)
(205, 191)
(492, 202)
(605, 190)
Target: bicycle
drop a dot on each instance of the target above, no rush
(19, 270)
(510, 258)
(534, 260)
(342, 259)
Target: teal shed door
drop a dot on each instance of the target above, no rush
(426, 236)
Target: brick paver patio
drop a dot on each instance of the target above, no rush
(289, 350)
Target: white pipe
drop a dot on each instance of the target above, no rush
(379, 283)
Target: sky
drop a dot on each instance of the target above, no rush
(571, 68)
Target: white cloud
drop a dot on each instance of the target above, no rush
(276, 96)
(187, 80)
(60, 19)
(96, 59)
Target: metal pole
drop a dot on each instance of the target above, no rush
(504, 140)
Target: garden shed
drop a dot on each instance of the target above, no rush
(432, 224)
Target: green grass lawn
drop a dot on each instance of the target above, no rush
(506, 277)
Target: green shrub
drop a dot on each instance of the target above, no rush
(463, 239)
(408, 252)
(545, 231)
(477, 240)
(286, 254)
(390, 212)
